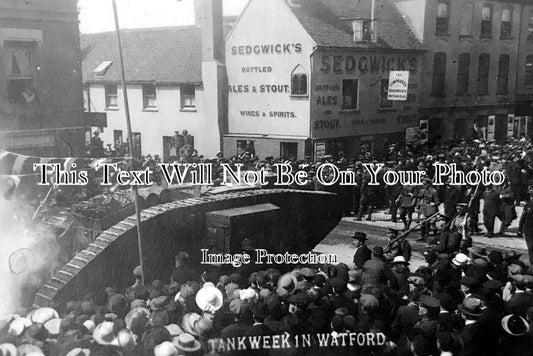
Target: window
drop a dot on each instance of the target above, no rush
(443, 17)
(529, 70)
(483, 74)
(117, 137)
(486, 21)
(503, 74)
(362, 31)
(530, 27)
(463, 73)
(188, 97)
(111, 97)
(18, 64)
(288, 150)
(439, 74)
(149, 96)
(349, 94)
(467, 14)
(506, 27)
(298, 81)
(384, 101)
(102, 68)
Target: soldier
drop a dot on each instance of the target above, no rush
(446, 241)
(507, 204)
(368, 194)
(428, 206)
(491, 209)
(406, 202)
(403, 248)
(525, 226)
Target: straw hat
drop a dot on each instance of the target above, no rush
(29, 349)
(209, 298)
(287, 282)
(18, 326)
(103, 333)
(42, 315)
(8, 350)
(189, 321)
(399, 259)
(165, 348)
(515, 325)
(460, 259)
(186, 342)
(78, 351)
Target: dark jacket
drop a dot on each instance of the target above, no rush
(376, 272)
(491, 202)
(519, 304)
(362, 255)
(525, 224)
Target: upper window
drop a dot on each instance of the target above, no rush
(486, 21)
(298, 81)
(506, 26)
(350, 89)
(362, 30)
(443, 17)
(188, 97)
(149, 96)
(483, 74)
(529, 70)
(18, 64)
(384, 102)
(467, 14)
(503, 74)
(111, 97)
(463, 73)
(439, 74)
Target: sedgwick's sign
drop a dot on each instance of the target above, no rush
(265, 49)
(398, 85)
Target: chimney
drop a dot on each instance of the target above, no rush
(208, 16)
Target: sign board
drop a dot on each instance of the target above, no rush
(491, 124)
(510, 125)
(398, 84)
(320, 149)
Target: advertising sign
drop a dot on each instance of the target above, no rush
(398, 84)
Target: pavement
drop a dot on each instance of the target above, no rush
(340, 242)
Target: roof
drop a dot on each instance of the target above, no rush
(325, 21)
(160, 55)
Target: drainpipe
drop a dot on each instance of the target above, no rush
(522, 6)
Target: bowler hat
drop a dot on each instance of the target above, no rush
(377, 251)
(361, 236)
(471, 307)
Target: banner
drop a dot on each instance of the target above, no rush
(398, 85)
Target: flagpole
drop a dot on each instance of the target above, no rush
(130, 139)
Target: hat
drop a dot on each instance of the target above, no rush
(166, 348)
(460, 259)
(260, 309)
(369, 301)
(287, 282)
(89, 325)
(515, 325)
(429, 302)
(42, 315)
(495, 257)
(159, 302)
(377, 251)
(138, 317)
(29, 349)
(478, 251)
(238, 307)
(8, 350)
(493, 285)
(125, 339)
(209, 298)
(514, 269)
(18, 326)
(248, 294)
(53, 326)
(469, 281)
(174, 329)
(103, 333)
(188, 322)
(308, 272)
(399, 259)
(471, 307)
(186, 342)
(361, 236)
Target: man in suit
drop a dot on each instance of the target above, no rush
(376, 272)
(362, 252)
(491, 209)
(521, 300)
(525, 226)
(472, 335)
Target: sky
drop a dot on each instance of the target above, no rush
(97, 15)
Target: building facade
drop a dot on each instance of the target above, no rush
(41, 102)
(313, 78)
(477, 66)
(175, 82)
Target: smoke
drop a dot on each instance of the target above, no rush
(28, 256)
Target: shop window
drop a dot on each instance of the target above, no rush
(483, 74)
(384, 101)
(503, 74)
(463, 73)
(467, 15)
(439, 74)
(506, 25)
(149, 96)
(443, 17)
(111, 97)
(188, 97)
(350, 89)
(18, 64)
(529, 70)
(486, 21)
(298, 81)
(288, 150)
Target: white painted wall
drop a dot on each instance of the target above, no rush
(168, 117)
(251, 31)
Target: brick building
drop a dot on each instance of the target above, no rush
(478, 65)
(41, 102)
(313, 78)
